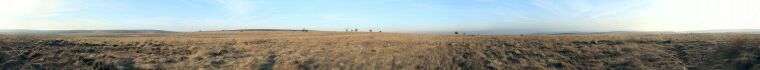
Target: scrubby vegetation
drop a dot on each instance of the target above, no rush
(385, 51)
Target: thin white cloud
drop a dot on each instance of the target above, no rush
(683, 15)
(575, 15)
(584, 9)
(237, 7)
(31, 8)
(53, 25)
(28, 14)
(551, 7)
(189, 3)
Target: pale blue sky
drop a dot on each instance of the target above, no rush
(415, 16)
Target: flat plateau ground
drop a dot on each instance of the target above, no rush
(379, 51)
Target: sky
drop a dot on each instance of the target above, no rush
(406, 16)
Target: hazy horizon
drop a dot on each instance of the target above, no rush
(416, 16)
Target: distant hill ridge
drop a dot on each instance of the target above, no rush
(26, 31)
(750, 31)
(612, 32)
(266, 30)
(728, 31)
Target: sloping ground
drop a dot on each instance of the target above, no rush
(77, 32)
(385, 51)
(267, 30)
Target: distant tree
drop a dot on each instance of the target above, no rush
(370, 30)
(380, 31)
(456, 33)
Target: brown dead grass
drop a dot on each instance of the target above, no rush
(379, 51)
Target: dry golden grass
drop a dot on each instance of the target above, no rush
(379, 51)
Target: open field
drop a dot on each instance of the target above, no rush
(379, 51)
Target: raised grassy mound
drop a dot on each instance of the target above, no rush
(385, 51)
